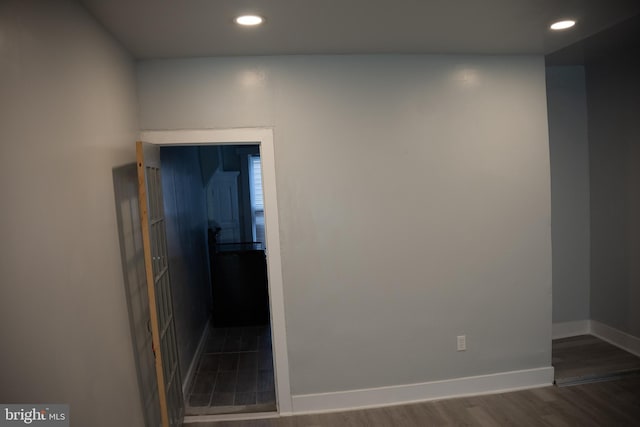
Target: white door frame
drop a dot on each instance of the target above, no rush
(264, 138)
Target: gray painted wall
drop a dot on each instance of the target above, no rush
(569, 149)
(414, 198)
(614, 147)
(67, 117)
(186, 216)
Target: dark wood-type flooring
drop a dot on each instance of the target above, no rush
(614, 403)
(234, 373)
(601, 404)
(587, 358)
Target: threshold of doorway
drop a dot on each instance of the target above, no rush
(232, 409)
(189, 419)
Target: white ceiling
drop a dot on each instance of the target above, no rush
(182, 28)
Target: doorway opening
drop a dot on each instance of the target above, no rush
(237, 363)
(215, 216)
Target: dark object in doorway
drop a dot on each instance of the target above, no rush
(239, 284)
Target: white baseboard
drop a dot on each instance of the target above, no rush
(616, 337)
(188, 378)
(570, 329)
(410, 393)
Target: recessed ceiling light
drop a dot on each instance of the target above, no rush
(249, 20)
(563, 25)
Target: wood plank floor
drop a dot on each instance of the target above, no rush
(603, 404)
(586, 357)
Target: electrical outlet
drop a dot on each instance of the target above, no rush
(462, 342)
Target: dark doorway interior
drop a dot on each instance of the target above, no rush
(239, 283)
(216, 229)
